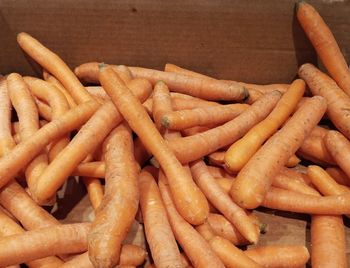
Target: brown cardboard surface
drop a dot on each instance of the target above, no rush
(254, 41)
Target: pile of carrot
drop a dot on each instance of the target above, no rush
(188, 156)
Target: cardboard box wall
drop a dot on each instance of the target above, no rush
(253, 41)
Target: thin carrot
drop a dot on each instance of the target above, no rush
(293, 161)
(36, 244)
(339, 148)
(304, 203)
(190, 201)
(279, 256)
(161, 103)
(44, 110)
(120, 202)
(194, 245)
(210, 141)
(95, 191)
(253, 181)
(165, 252)
(325, 44)
(24, 152)
(338, 102)
(93, 169)
(338, 175)
(55, 65)
(242, 150)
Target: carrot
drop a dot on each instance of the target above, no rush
(338, 102)
(88, 138)
(325, 44)
(6, 141)
(218, 172)
(120, 202)
(223, 202)
(91, 169)
(165, 252)
(95, 191)
(210, 141)
(53, 81)
(338, 175)
(253, 181)
(140, 152)
(51, 95)
(304, 203)
(190, 201)
(298, 173)
(194, 130)
(241, 151)
(293, 161)
(24, 152)
(279, 256)
(339, 147)
(193, 244)
(36, 244)
(205, 89)
(44, 110)
(55, 65)
(161, 103)
(201, 116)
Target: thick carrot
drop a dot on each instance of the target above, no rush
(210, 141)
(242, 150)
(339, 148)
(24, 152)
(190, 201)
(95, 191)
(161, 103)
(338, 175)
(55, 65)
(223, 202)
(201, 116)
(120, 202)
(338, 103)
(53, 81)
(194, 130)
(160, 238)
(279, 256)
(194, 245)
(304, 203)
(88, 138)
(253, 181)
(36, 244)
(325, 44)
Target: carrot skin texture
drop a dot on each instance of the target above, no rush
(325, 44)
(190, 201)
(254, 180)
(191, 148)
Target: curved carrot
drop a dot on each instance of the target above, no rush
(338, 103)
(339, 148)
(338, 175)
(242, 150)
(194, 245)
(24, 152)
(210, 141)
(223, 202)
(120, 202)
(55, 65)
(253, 181)
(325, 44)
(279, 256)
(182, 185)
(304, 203)
(165, 252)
(36, 244)
(161, 103)
(201, 116)
(95, 191)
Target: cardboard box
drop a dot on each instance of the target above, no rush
(252, 41)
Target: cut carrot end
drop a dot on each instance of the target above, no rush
(297, 4)
(246, 94)
(165, 122)
(101, 66)
(263, 228)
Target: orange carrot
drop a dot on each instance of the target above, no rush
(55, 65)
(120, 202)
(90, 169)
(241, 151)
(44, 110)
(165, 252)
(339, 148)
(304, 203)
(293, 161)
(210, 141)
(338, 175)
(338, 102)
(36, 244)
(201, 116)
(253, 181)
(181, 183)
(194, 245)
(95, 191)
(223, 202)
(194, 130)
(24, 152)
(161, 103)
(279, 256)
(218, 172)
(325, 44)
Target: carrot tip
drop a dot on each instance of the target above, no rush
(297, 4)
